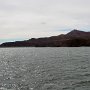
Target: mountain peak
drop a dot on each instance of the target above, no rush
(75, 32)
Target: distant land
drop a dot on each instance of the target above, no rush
(75, 38)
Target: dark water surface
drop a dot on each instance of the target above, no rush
(45, 68)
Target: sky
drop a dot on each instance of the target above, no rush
(25, 19)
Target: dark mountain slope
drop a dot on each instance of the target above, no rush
(75, 38)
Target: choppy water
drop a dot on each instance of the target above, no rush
(45, 68)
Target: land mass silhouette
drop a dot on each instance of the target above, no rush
(75, 38)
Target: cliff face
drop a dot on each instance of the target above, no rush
(75, 38)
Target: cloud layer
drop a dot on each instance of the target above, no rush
(37, 18)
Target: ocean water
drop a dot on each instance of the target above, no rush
(61, 68)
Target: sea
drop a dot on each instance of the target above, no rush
(45, 68)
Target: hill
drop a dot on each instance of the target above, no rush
(75, 38)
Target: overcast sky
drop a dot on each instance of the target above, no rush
(24, 19)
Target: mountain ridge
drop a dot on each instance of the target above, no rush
(75, 38)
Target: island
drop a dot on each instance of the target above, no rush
(75, 38)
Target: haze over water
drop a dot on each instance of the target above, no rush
(45, 68)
